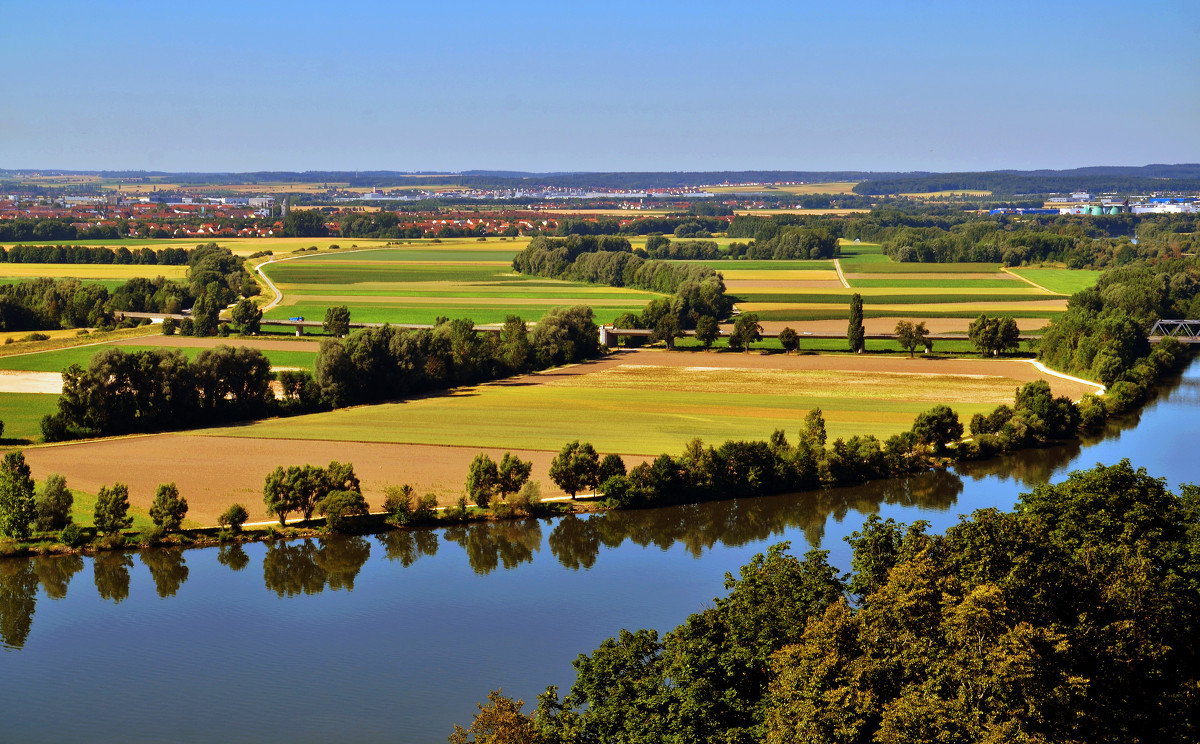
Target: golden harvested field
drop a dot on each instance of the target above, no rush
(91, 271)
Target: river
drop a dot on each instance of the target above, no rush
(396, 637)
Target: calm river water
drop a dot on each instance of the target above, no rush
(395, 637)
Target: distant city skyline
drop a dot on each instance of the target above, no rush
(542, 87)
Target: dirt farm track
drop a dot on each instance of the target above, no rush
(212, 472)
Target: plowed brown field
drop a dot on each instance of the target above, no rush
(214, 472)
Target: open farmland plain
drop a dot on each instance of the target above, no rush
(110, 276)
(418, 283)
(810, 296)
(638, 404)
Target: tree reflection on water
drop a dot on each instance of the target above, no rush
(292, 568)
(406, 546)
(167, 568)
(111, 573)
(490, 544)
(18, 589)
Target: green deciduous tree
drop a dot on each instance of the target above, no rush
(337, 321)
(206, 311)
(233, 518)
(399, 503)
(575, 467)
(611, 465)
(789, 340)
(938, 427)
(746, 330)
(514, 344)
(994, 335)
(112, 509)
(248, 315)
(54, 504)
(169, 508)
(707, 331)
(912, 336)
(17, 507)
(513, 473)
(667, 329)
(482, 479)
(813, 433)
(855, 333)
(339, 507)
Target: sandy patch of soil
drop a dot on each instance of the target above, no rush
(15, 381)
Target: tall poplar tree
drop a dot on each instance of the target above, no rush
(855, 332)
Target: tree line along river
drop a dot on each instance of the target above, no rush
(394, 637)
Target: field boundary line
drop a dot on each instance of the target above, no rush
(841, 277)
(75, 346)
(1006, 270)
(1046, 370)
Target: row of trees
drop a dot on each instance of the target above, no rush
(24, 511)
(333, 491)
(382, 363)
(216, 278)
(931, 234)
(789, 243)
(153, 389)
(1071, 618)
(697, 289)
(749, 468)
(92, 254)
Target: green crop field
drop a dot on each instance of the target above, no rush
(647, 410)
(60, 359)
(1063, 281)
(418, 284)
(22, 414)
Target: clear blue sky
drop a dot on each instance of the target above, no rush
(560, 86)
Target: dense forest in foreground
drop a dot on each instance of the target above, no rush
(1072, 618)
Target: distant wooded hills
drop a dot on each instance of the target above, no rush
(1096, 179)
